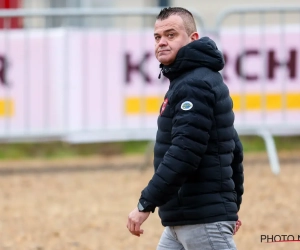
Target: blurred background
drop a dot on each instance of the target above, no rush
(79, 99)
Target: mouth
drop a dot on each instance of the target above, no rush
(163, 51)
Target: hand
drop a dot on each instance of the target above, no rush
(237, 226)
(135, 220)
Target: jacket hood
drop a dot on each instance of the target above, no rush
(199, 53)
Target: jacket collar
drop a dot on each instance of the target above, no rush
(199, 53)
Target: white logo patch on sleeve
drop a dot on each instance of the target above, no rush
(186, 105)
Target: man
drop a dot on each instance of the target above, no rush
(198, 179)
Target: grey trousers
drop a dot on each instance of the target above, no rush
(210, 236)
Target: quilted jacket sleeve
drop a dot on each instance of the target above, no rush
(238, 169)
(191, 123)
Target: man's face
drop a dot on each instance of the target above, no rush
(170, 35)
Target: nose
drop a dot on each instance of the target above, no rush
(162, 42)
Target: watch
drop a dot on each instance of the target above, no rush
(141, 208)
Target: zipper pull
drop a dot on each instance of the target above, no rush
(160, 74)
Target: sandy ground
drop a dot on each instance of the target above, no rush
(84, 203)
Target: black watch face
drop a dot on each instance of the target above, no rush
(140, 207)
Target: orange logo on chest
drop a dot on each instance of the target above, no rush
(164, 105)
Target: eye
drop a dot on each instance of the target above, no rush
(156, 38)
(171, 35)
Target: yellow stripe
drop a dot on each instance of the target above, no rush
(6, 107)
(293, 101)
(271, 102)
(149, 105)
(133, 105)
(249, 102)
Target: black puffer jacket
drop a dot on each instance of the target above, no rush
(197, 156)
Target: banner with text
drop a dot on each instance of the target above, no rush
(82, 82)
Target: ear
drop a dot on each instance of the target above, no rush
(194, 36)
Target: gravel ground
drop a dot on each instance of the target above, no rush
(83, 204)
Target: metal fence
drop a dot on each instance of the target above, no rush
(61, 82)
(266, 65)
(98, 81)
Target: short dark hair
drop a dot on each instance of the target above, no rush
(187, 17)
